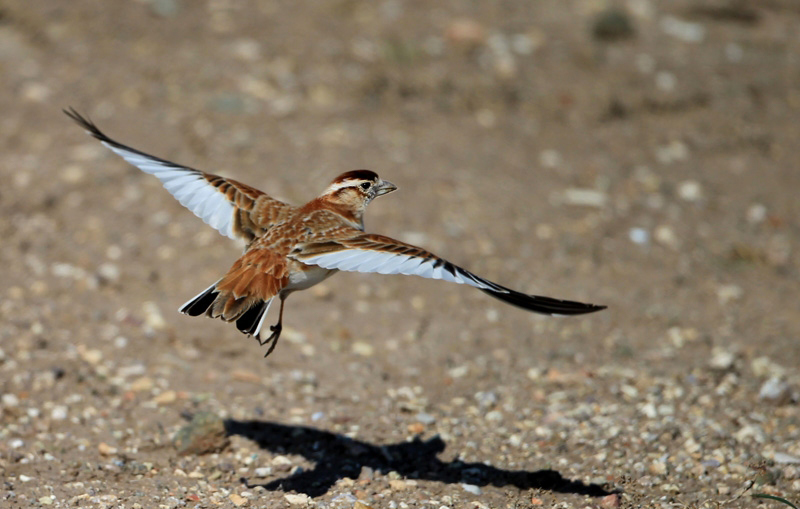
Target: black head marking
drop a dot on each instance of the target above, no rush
(357, 175)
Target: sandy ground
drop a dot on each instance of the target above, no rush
(643, 158)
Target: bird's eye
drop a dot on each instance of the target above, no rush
(365, 186)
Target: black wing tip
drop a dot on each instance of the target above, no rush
(593, 308)
(545, 305)
(86, 123)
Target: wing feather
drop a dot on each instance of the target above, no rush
(216, 200)
(363, 252)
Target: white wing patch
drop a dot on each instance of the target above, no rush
(188, 186)
(382, 262)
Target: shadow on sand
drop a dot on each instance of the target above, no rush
(337, 456)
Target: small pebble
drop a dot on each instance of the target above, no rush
(776, 391)
(297, 499)
(525, 44)
(645, 63)
(649, 410)
(363, 349)
(142, 384)
(612, 24)
(282, 461)
(639, 236)
(585, 197)
(245, 376)
(106, 450)
(425, 418)
(204, 434)
(238, 500)
(685, 31)
(690, 190)
(10, 400)
(92, 356)
(550, 158)
(721, 360)
(166, 397)
(466, 32)
(486, 399)
(494, 415)
(781, 457)
(59, 413)
(728, 293)
(109, 272)
(756, 213)
(416, 428)
(153, 316)
(734, 52)
(35, 92)
(665, 236)
(764, 366)
(72, 174)
(397, 484)
(471, 488)
(675, 151)
(165, 8)
(778, 251)
(458, 371)
(658, 468)
(750, 432)
(263, 471)
(610, 501)
(666, 81)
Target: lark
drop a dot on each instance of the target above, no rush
(290, 248)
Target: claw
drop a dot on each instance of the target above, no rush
(273, 338)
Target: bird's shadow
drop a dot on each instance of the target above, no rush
(337, 456)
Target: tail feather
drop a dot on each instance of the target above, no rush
(229, 308)
(252, 319)
(248, 312)
(200, 303)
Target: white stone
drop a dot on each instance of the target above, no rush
(639, 236)
(690, 190)
(10, 400)
(297, 499)
(59, 413)
(685, 31)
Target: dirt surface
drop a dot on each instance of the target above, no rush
(643, 158)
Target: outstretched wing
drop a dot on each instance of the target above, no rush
(383, 255)
(236, 210)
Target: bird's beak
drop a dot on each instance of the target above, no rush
(385, 187)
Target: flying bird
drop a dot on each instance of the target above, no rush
(291, 248)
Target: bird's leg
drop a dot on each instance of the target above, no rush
(276, 332)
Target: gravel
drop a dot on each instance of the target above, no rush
(653, 170)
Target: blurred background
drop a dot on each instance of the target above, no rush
(639, 154)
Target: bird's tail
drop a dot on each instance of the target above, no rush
(247, 311)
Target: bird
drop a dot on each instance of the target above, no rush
(291, 248)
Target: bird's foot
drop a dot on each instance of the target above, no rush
(273, 338)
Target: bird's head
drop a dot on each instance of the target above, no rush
(355, 189)
(352, 191)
